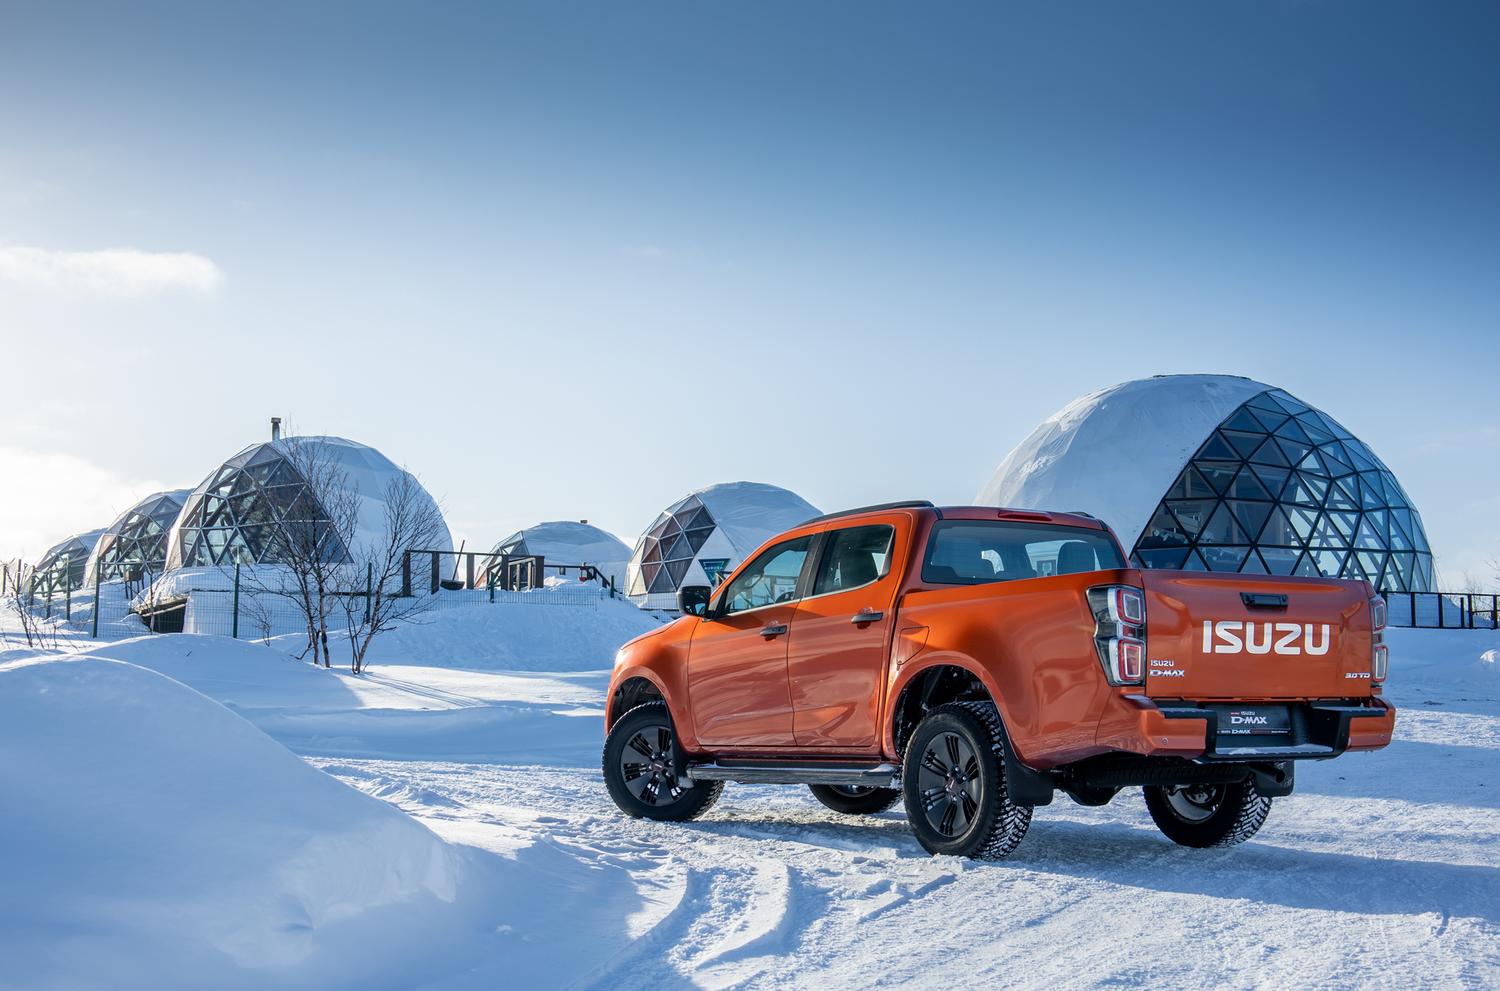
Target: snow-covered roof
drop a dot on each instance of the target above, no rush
(569, 542)
(139, 535)
(1114, 452)
(705, 534)
(223, 519)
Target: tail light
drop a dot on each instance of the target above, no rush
(1120, 632)
(1380, 655)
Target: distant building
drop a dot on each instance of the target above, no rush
(1222, 473)
(705, 534)
(65, 565)
(563, 542)
(136, 542)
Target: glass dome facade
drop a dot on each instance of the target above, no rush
(137, 541)
(1282, 488)
(234, 517)
(667, 549)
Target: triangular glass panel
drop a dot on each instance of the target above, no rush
(678, 571)
(1278, 530)
(1163, 531)
(265, 454)
(1292, 430)
(1293, 450)
(1269, 453)
(661, 581)
(1253, 565)
(1268, 419)
(1314, 429)
(1273, 478)
(1306, 567)
(1222, 529)
(1192, 513)
(1162, 557)
(1313, 464)
(1263, 401)
(1330, 563)
(1221, 558)
(1372, 564)
(1216, 447)
(1219, 473)
(1241, 419)
(1303, 521)
(697, 537)
(1344, 493)
(1405, 568)
(1247, 486)
(1251, 516)
(1194, 563)
(1371, 492)
(678, 550)
(1344, 523)
(1359, 455)
(1243, 443)
(1190, 485)
(1302, 491)
(1288, 402)
(1325, 534)
(1366, 538)
(1333, 457)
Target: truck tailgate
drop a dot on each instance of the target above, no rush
(1218, 636)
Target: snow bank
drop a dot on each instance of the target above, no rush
(1453, 662)
(153, 839)
(518, 636)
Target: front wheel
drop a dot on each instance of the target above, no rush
(953, 777)
(638, 769)
(855, 800)
(1208, 815)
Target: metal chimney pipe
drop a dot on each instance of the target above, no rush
(275, 428)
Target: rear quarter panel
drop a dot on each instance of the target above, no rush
(1032, 641)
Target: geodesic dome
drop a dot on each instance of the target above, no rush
(565, 542)
(138, 538)
(64, 566)
(1222, 473)
(704, 535)
(232, 516)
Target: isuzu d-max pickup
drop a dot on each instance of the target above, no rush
(974, 661)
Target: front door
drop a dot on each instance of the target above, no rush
(737, 661)
(836, 665)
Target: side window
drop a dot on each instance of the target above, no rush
(854, 557)
(768, 579)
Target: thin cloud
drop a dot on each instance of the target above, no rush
(48, 496)
(110, 272)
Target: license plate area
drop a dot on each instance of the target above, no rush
(1255, 721)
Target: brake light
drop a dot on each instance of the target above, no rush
(1380, 655)
(1120, 632)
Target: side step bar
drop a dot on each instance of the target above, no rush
(798, 773)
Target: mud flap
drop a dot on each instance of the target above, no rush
(1026, 787)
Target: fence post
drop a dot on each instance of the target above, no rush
(98, 567)
(369, 589)
(406, 573)
(436, 571)
(469, 570)
(1471, 610)
(68, 601)
(489, 579)
(235, 623)
(1442, 624)
(1495, 612)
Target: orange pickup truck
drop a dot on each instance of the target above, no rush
(974, 661)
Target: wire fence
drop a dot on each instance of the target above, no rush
(230, 603)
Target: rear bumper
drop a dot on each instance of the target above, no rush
(1315, 730)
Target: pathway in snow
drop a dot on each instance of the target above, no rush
(1383, 870)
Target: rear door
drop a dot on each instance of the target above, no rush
(737, 678)
(841, 636)
(1216, 636)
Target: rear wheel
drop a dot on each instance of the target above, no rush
(953, 778)
(1208, 815)
(855, 800)
(638, 769)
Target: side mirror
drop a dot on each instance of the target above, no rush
(692, 600)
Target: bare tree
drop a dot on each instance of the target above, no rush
(309, 543)
(372, 605)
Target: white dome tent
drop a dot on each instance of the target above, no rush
(1221, 473)
(704, 535)
(137, 539)
(233, 519)
(565, 542)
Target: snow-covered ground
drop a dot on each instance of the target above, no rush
(1383, 869)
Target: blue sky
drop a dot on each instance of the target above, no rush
(571, 261)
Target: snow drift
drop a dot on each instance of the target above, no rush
(152, 838)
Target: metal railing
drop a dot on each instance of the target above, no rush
(485, 571)
(1443, 610)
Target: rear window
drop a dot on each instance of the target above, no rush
(974, 552)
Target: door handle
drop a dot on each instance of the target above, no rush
(773, 630)
(867, 616)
